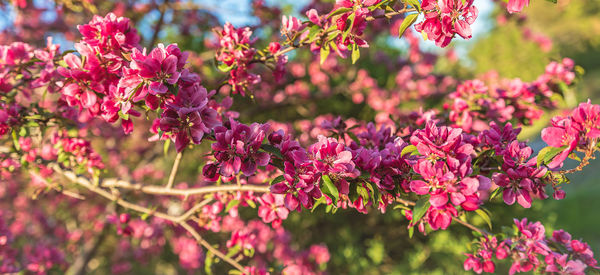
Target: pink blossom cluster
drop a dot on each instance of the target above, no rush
(445, 18)
(474, 101)
(26, 67)
(78, 153)
(520, 177)
(349, 165)
(9, 117)
(237, 148)
(236, 53)
(578, 131)
(93, 76)
(446, 173)
(530, 249)
(188, 117)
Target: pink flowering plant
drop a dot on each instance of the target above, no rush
(80, 128)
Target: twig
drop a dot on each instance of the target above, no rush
(193, 210)
(470, 226)
(589, 155)
(174, 170)
(180, 220)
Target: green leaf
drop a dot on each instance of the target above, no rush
(225, 68)
(355, 53)
(363, 193)
(552, 1)
(408, 150)
(353, 193)
(249, 252)
(313, 31)
(62, 156)
(251, 203)
(208, 262)
(324, 53)
(15, 140)
(234, 250)
(23, 131)
(495, 193)
(339, 11)
(407, 22)
(278, 179)
(374, 192)
(548, 153)
(272, 149)
(231, 204)
(574, 156)
(484, 215)
(123, 116)
(330, 190)
(318, 202)
(420, 209)
(349, 28)
(415, 4)
(411, 231)
(166, 146)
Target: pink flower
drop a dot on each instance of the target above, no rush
(110, 33)
(332, 158)
(237, 148)
(561, 134)
(445, 18)
(188, 118)
(290, 25)
(516, 5)
(272, 208)
(160, 67)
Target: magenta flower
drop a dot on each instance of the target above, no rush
(160, 67)
(237, 148)
(188, 117)
(440, 141)
(332, 158)
(441, 217)
(300, 185)
(110, 33)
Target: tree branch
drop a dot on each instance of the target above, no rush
(158, 190)
(174, 170)
(180, 220)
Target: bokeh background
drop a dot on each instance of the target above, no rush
(513, 46)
